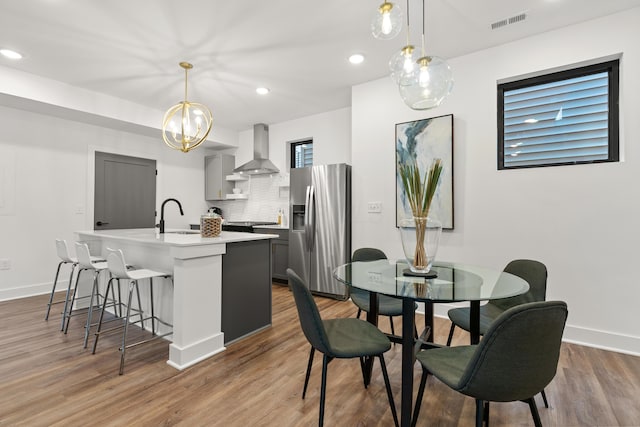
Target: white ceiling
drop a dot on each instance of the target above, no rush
(298, 48)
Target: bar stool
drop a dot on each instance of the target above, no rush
(86, 263)
(118, 270)
(63, 254)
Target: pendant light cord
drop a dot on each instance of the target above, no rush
(423, 19)
(408, 23)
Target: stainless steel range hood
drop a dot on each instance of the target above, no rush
(260, 163)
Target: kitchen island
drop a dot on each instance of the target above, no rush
(194, 305)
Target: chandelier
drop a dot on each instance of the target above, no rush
(187, 124)
(387, 21)
(424, 81)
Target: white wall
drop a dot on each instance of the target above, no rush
(46, 187)
(581, 221)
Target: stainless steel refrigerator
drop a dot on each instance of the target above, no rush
(320, 225)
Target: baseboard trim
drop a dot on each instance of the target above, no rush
(611, 341)
(31, 290)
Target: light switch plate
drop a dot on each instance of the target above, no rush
(374, 207)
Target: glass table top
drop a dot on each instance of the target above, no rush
(455, 281)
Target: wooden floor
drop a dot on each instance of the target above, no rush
(47, 379)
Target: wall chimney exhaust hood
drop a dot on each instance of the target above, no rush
(260, 163)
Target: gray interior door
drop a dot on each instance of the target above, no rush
(125, 192)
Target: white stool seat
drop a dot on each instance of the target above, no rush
(143, 273)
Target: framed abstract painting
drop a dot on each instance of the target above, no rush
(425, 140)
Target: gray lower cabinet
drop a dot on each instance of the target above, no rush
(279, 253)
(246, 288)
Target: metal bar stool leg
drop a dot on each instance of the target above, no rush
(66, 301)
(153, 315)
(141, 310)
(96, 294)
(104, 305)
(132, 284)
(53, 290)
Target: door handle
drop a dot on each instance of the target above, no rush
(101, 223)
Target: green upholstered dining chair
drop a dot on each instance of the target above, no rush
(387, 306)
(515, 360)
(337, 339)
(534, 272)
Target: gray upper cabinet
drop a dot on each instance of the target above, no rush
(216, 169)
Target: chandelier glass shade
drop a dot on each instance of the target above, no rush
(387, 21)
(403, 64)
(186, 125)
(429, 84)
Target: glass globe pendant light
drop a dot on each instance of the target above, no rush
(186, 125)
(387, 21)
(430, 82)
(404, 62)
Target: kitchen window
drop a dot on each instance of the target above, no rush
(560, 118)
(302, 154)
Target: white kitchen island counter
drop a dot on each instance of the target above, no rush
(194, 307)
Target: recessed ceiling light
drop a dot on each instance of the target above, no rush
(262, 91)
(356, 58)
(11, 54)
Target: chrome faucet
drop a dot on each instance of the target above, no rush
(162, 212)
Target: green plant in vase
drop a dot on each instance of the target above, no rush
(419, 191)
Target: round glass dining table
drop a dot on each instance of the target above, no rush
(455, 282)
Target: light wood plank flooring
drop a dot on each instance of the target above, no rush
(47, 379)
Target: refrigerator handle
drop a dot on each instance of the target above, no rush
(311, 234)
(306, 217)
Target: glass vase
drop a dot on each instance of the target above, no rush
(420, 238)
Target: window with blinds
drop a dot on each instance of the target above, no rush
(562, 118)
(302, 154)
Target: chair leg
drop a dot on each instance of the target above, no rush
(53, 290)
(387, 385)
(486, 413)
(66, 316)
(66, 301)
(363, 369)
(104, 306)
(323, 388)
(453, 326)
(544, 398)
(94, 293)
(391, 323)
(306, 378)
(123, 350)
(534, 412)
(153, 315)
(139, 307)
(359, 312)
(416, 410)
(479, 412)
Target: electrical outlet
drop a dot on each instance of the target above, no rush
(374, 277)
(374, 207)
(5, 264)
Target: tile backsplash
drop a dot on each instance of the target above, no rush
(266, 194)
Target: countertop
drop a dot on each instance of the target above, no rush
(173, 237)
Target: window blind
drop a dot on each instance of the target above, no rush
(564, 121)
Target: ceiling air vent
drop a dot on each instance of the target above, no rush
(508, 21)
